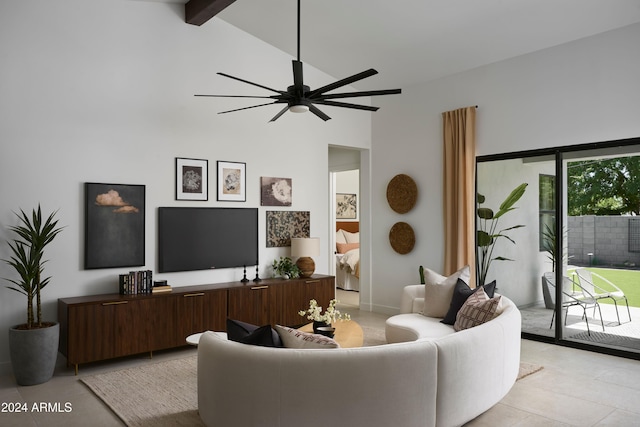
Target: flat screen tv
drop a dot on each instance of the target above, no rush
(206, 238)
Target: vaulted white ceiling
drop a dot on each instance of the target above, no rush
(412, 41)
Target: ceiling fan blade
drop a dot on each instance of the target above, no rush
(246, 108)
(241, 96)
(318, 113)
(252, 83)
(346, 105)
(357, 94)
(297, 78)
(346, 81)
(277, 116)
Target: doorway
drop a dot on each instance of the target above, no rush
(345, 213)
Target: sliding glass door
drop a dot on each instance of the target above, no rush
(568, 251)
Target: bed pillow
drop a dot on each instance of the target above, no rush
(343, 248)
(351, 237)
(294, 338)
(247, 333)
(438, 291)
(476, 310)
(340, 236)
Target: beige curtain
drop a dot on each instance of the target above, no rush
(459, 189)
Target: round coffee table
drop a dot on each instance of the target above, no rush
(194, 339)
(348, 333)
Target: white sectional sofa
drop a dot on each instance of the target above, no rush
(476, 367)
(240, 385)
(438, 378)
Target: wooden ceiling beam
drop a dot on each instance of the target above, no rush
(197, 12)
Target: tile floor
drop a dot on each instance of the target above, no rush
(575, 388)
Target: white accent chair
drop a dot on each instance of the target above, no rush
(591, 290)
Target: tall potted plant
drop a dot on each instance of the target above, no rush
(33, 345)
(550, 245)
(488, 233)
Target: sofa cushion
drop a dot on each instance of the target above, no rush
(438, 291)
(247, 333)
(294, 338)
(461, 292)
(413, 327)
(476, 310)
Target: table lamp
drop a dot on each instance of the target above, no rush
(304, 249)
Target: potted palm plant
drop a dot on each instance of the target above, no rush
(33, 345)
(550, 245)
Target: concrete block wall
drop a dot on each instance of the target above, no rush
(600, 240)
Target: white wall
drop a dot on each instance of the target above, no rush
(102, 91)
(343, 159)
(584, 91)
(519, 278)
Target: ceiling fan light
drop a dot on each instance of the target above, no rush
(299, 108)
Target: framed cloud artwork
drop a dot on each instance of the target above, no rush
(114, 225)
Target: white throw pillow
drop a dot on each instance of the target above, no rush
(438, 290)
(340, 236)
(351, 237)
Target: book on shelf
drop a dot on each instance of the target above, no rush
(160, 289)
(136, 282)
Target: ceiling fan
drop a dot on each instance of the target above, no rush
(300, 98)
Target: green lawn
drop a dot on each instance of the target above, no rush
(627, 280)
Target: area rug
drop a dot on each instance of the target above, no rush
(373, 336)
(527, 369)
(157, 394)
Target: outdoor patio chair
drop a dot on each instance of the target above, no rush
(570, 299)
(590, 290)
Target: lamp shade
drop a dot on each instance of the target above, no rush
(305, 247)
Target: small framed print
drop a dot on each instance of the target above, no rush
(346, 206)
(232, 177)
(283, 225)
(275, 191)
(192, 177)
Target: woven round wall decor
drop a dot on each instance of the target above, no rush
(402, 238)
(402, 193)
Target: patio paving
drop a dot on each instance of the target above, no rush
(537, 320)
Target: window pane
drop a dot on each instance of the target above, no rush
(547, 192)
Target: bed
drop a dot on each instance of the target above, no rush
(348, 255)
